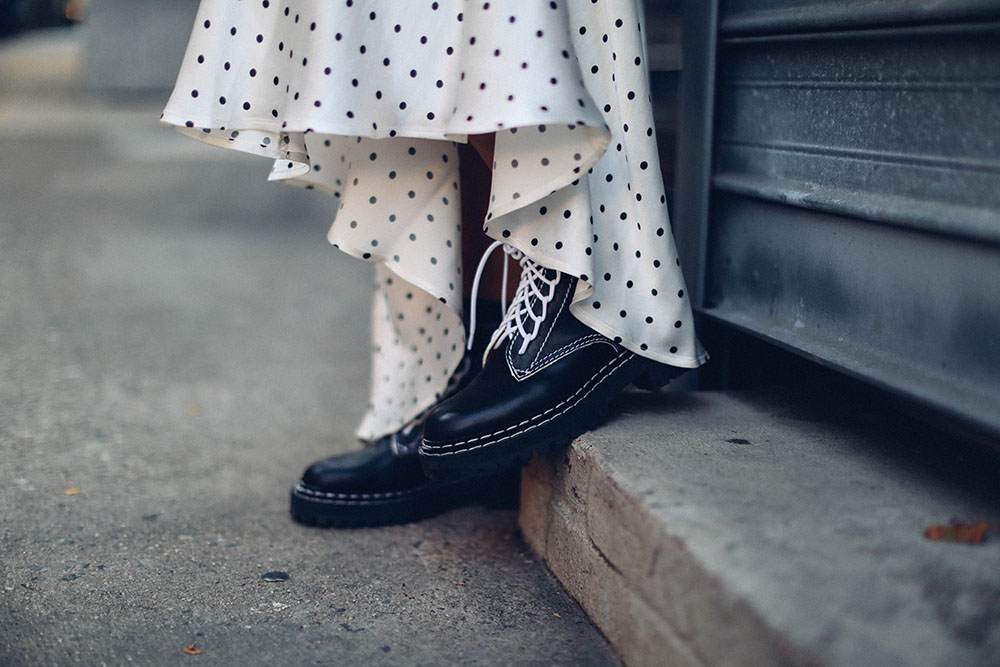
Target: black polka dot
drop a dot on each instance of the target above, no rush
(623, 284)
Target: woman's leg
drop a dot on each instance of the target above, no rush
(476, 166)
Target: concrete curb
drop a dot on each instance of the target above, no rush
(707, 529)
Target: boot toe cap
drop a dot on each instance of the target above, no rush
(373, 469)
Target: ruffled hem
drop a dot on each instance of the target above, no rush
(576, 207)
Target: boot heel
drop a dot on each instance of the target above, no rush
(657, 376)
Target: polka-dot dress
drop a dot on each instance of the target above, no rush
(365, 99)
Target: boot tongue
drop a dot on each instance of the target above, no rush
(529, 309)
(524, 352)
(541, 309)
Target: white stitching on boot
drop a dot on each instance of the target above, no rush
(617, 362)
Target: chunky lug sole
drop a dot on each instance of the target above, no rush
(324, 509)
(558, 426)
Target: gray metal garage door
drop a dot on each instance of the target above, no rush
(838, 187)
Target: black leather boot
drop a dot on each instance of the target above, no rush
(548, 379)
(384, 483)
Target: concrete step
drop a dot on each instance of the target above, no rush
(753, 529)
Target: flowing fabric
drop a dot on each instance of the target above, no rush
(365, 99)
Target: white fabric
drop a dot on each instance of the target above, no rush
(363, 98)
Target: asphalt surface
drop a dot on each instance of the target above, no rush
(177, 341)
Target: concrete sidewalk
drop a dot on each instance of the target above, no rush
(177, 341)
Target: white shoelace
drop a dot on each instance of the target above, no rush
(514, 318)
(532, 284)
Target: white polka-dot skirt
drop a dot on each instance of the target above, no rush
(365, 99)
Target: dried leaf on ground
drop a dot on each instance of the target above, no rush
(71, 492)
(192, 650)
(958, 531)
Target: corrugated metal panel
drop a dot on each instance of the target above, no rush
(689, 214)
(907, 311)
(894, 125)
(796, 16)
(856, 191)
